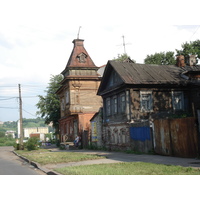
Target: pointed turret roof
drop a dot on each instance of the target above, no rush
(79, 56)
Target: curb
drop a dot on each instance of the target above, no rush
(36, 165)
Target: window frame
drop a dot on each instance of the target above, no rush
(67, 97)
(108, 106)
(115, 104)
(149, 107)
(122, 101)
(174, 95)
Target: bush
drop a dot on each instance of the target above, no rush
(4, 141)
(32, 143)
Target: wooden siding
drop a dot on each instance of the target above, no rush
(176, 137)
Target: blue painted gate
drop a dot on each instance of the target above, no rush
(141, 139)
(140, 133)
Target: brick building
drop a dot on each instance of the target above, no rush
(77, 93)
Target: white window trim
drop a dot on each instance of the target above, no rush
(151, 101)
(182, 100)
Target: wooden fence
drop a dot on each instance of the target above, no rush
(176, 137)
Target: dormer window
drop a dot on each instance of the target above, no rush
(82, 57)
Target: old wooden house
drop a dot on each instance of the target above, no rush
(151, 107)
(78, 94)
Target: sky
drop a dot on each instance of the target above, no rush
(36, 39)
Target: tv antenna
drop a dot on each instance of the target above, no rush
(78, 32)
(124, 44)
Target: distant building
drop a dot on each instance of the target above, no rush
(10, 133)
(1, 123)
(39, 131)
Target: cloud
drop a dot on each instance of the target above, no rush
(36, 36)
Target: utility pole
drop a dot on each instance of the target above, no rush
(20, 119)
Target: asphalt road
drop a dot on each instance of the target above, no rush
(10, 164)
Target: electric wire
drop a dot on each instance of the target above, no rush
(195, 32)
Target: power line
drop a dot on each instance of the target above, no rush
(195, 32)
(9, 107)
(8, 98)
(29, 113)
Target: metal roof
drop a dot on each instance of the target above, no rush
(133, 73)
(146, 74)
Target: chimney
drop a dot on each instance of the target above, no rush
(180, 61)
(192, 60)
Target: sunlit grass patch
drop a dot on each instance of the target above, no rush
(129, 168)
(43, 156)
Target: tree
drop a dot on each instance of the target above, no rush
(161, 58)
(49, 105)
(123, 57)
(191, 48)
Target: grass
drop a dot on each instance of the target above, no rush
(129, 168)
(44, 157)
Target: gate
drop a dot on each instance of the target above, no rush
(176, 137)
(141, 137)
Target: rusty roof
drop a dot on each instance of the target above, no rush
(79, 56)
(146, 74)
(132, 73)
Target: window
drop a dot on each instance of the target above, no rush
(146, 101)
(108, 110)
(177, 100)
(115, 104)
(122, 103)
(62, 104)
(67, 97)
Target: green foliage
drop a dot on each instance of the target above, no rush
(49, 105)
(161, 58)
(29, 123)
(32, 143)
(123, 57)
(10, 125)
(5, 141)
(191, 48)
(2, 133)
